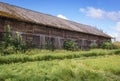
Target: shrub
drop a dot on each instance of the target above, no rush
(18, 43)
(107, 45)
(10, 44)
(93, 45)
(70, 45)
(9, 50)
(7, 41)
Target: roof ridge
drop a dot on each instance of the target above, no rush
(52, 20)
(32, 10)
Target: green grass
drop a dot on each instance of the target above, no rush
(39, 55)
(56, 70)
(116, 44)
(61, 65)
(110, 64)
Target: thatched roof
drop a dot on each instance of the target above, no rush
(19, 13)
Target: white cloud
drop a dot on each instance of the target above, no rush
(116, 34)
(82, 10)
(103, 14)
(117, 27)
(62, 16)
(100, 13)
(115, 16)
(95, 13)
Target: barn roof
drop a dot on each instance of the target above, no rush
(19, 13)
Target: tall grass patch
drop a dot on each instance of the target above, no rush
(110, 64)
(58, 54)
(56, 70)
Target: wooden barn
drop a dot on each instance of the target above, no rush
(41, 28)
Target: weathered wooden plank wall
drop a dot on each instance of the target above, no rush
(39, 34)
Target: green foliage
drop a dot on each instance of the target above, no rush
(7, 42)
(18, 43)
(62, 70)
(107, 45)
(116, 45)
(33, 65)
(49, 46)
(9, 50)
(92, 65)
(93, 45)
(70, 45)
(10, 44)
(29, 45)
(110, 64)
(40, 55)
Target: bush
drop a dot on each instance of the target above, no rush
(107, 45)
(70, 45)
(93, 45)
(7, 41)
(10, 44)
(18, 43)
(9, 50)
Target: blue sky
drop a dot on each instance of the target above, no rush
(103, 14)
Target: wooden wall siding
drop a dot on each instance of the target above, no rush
(0, 36)
(41, 30)
(39, 34)
(36, 41)
(42, 41)
(56, 32)
(1, 24)
(58, 42)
